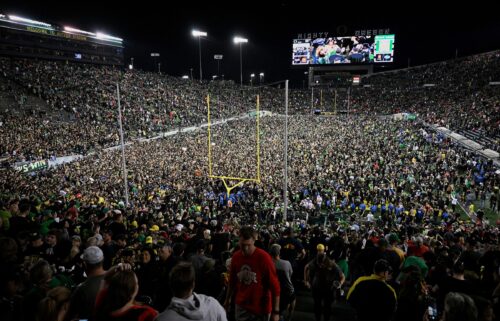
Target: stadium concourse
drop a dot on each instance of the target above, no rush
(377, 223)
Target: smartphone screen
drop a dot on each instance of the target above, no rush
(432, 312)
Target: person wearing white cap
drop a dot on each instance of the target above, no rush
(83, 299)
(117, 226)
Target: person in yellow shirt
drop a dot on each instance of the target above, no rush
(471, 208)
(371, 296)
(393, 245)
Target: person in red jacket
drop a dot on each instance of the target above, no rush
(417, 247)
(253, 281)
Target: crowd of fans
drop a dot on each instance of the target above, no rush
(383, 215)
(154, 103)
(151, 104)
(360, 189)
(455, 93)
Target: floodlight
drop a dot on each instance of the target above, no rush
(197, 33)
(238, 40)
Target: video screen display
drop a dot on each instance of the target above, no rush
(343, 50)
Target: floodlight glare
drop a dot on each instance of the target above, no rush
(261, 74)
(197, 33)
(252, 75)
(104, 36)
(70, 29)
(240, 40)
(34, 22)
(185, 77)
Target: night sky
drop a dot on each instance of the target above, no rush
(423, 34)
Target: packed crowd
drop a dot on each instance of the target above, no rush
(154, 103)
(365, 194)
(379, 211)
(151, 104)
(455, 93)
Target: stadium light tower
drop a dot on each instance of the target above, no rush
(199, 34)
(239, 41)
(251, 79)
(261, 77)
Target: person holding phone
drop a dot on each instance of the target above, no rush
(457, 307)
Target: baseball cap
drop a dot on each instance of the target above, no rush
(149, 240)
(320, 247)
(35, 236)
(154, 228)
(92, 255)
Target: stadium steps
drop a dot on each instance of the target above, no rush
(33, 103)
(304, 309)
(479, 137)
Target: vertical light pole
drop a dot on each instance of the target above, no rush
(218, 58)
(239, 41)
(191, 69)
(199, 34)
(261, 78)
(252, 76)
(122, 143)
(156, 56)
(285, 170)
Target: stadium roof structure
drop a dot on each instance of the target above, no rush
(51, 29)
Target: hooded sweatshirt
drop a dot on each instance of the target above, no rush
(196, 307)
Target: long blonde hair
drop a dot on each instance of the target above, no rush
(53, 303)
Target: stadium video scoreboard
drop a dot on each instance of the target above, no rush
(358, 49)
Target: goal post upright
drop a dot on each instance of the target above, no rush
(240, 180)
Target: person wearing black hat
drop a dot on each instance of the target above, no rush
(371, 297)
(37, 246)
